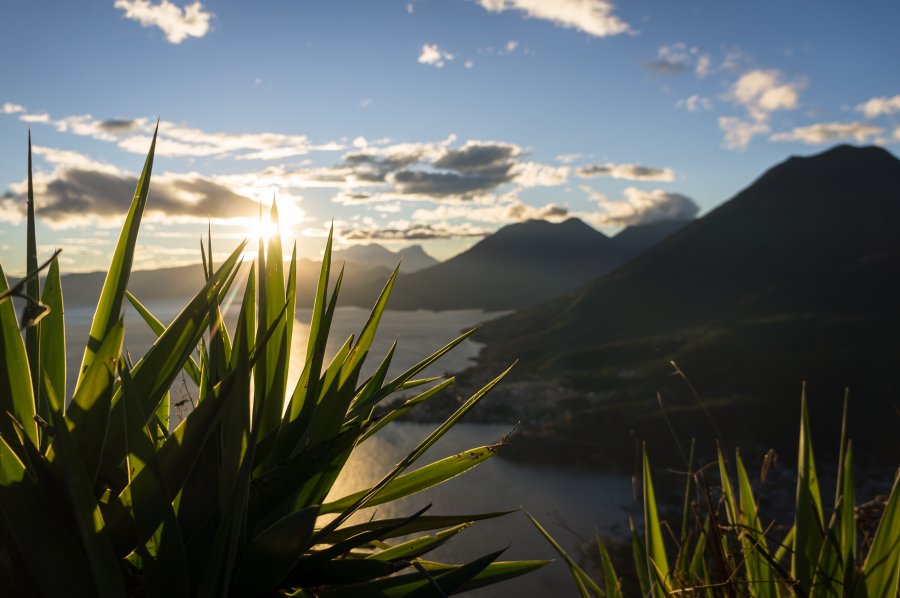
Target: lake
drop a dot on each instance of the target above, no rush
(583, 500)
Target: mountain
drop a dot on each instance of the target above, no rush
(411, 258)
(793, 279)
(520, 265)
(635, 240)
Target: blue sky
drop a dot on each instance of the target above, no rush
(431, 122)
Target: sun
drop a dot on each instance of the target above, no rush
(261, 229)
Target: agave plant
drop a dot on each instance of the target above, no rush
(100, 494)
(723, 549)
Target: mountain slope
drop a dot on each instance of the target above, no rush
(635, 240)
(519, 265)
(793, 279)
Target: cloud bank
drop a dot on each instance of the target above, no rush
(176, 23)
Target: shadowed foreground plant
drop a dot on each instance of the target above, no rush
(724, 550)
(99, 497)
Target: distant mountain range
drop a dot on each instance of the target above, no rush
(795, 278)
(518, 266)
(523, 264)
(411, 259)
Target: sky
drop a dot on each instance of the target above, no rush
(429, 122)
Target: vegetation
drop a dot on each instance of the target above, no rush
(724, 548)
(99, 497)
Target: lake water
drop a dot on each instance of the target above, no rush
(583, 500)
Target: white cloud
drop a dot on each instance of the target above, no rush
(10, 108)
(433, 55)
(400, 230)
(176, 23)
(594, 17)
(629, 172)
(178, 140)
(703, 66)
(738, 132)
(639, 206)
(569, 158)
(820, 133)
(694, 103)
(409, 8)
(510, 47)
(535, 174)
(879, 106)
(469, 64)
(762, 92)
(501, 213)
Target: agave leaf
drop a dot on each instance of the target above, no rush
(808, 519)
(449, 578)
(404, 408)
(403, 380)
(276, 485)
(273, 553)
(190, 366)
(16, 393)
(94, 536)
(109, 306)
(881, 569)
(161, 547)
(32, 288)
(421, 524)
(88, 413)
(657, 561)
(417, 546)
(54, 558)
(53, 340)
(582, 580)
(416, 481)
(156, 371)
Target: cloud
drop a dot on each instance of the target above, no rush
(81, 190)
(176, 23)
(820, 133)
(880, 106)
(703, 66)
(630, 172)
(594, 17)
(673, 60)
(760, 93)
(694, 103)
(763, 92)
(407, 231)
(177, 140)
(640, 206)
(738, 133)
(503, 213)
(10, 108)
(434, 56)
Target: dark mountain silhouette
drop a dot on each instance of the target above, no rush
(635, 240)
(519, 265)
(411, 258)
(795, 278)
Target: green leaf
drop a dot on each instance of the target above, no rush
(417, 546)
(404, 408)
(32, 289)
(190, 366)
(882, 565)
(808, 519)
(53, 340)
(273, 553)
(612, 583)
(109, 306)
(657, 561)
(94, 536)
(158, 368)
(54, 558)
(88, 413)
(16, 393)
(582, 580)
(421, 524)
(416, 481)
